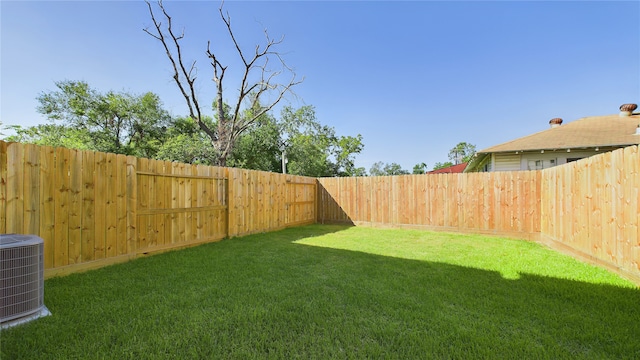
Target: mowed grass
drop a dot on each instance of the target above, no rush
(319, 292)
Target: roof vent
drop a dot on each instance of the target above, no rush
(627, 109)
(555, 122)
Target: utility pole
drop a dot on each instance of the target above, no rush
(284, 161)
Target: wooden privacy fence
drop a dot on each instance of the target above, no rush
(93, 208)
(506, 203)
(589, 208)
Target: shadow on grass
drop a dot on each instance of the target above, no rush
(265, 296)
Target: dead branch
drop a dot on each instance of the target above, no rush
(180, 73)
(257, 66)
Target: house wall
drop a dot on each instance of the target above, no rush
(521, 161)
(560, 157)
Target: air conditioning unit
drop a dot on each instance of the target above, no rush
(21, 279)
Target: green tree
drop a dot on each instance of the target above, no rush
(420, 168)
(311, 148)
(359, 171)
(314, 149)
(52, 135)
(461, 153)
(184, 142)
(120, 123)
(345, 150)
(306, 142)
(382, 169)
(259, 148)
(377, 169)
(440, 165)
(395, 169)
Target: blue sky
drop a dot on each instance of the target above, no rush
(414, 78)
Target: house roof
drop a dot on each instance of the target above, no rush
(450, 169)
(609, 130)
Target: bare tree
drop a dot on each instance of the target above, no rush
(258, 81)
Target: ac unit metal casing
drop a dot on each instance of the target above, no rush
(21, 279)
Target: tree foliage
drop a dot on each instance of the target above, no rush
(314, 149)
(311, 149)
(120, 123)
(184, 142)
(259, 147)
(461, 153)
(441, 165)
(382, 169)
(55, 135)
(420, 168)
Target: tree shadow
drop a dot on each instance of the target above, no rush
(485, 314)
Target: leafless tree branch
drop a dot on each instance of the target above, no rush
(229, 126)
(180, 73)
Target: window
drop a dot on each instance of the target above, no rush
(541, 164)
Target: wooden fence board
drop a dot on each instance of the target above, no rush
(175, 190)
(595, 245)
(167, 188)
(201, 195)
(111, 206)
(487, 201)
(88, 207)
(619, 207)
(62, 206)
(3, 186)
(47, 203)
(608, 208)
(143, 222)
(121, 205)
(190, 201)
(31, 193)
(631, 197)
(100, 191)
(151, 221)
(132, 203)
(75, 206)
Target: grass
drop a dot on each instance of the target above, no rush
(320, 292)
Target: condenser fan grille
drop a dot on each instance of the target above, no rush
(21, 277)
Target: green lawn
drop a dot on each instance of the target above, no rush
(320, 292)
